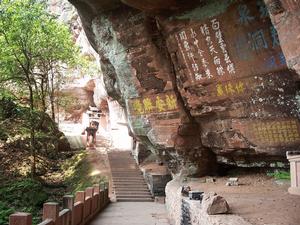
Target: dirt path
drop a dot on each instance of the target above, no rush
(259, 199)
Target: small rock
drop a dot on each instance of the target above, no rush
(210, 180)
(233, 181)
(214, 204)
(185, 190)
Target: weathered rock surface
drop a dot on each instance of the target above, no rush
(181, 210)
(202, 80)
(77, 99)
(285, 17)
(78, 95)
(214, 204)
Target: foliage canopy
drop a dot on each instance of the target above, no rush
(33, 46)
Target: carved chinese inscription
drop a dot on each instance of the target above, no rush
(277, 132)
(230, 88)
(200, 65)
(238, 43)
(160, 103)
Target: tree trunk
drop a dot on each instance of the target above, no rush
(52, 102)
(52, 108)
(32, 134)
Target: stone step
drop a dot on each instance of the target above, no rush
(123, 170)
(132, 177)
(129, 185)
(128, 192)
(134, 189)
(134, 200)
(124, 165)
(126, 171)
(133, 196)
(127, 166)
(128, 175)
(136, 194)
(131, 191)
(125, 178)
(115, 182)
(129, 181)
(121, 158)
(141, 189)
(116, 173)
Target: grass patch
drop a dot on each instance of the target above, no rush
(280, 175)
(25, 195)
(78, 173)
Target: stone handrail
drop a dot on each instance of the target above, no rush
(76, 211)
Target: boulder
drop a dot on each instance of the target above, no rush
(214, 204)
(63, 144)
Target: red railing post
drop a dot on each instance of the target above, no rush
(80, 197)
(87, 204)
(20, 219)
(89, 192)
(106, 193)
(102, 195)
(51, 211)
(96, 188)
(68, 203)
(97, 198)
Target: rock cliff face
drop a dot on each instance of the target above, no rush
(85, 87)
(202, 81)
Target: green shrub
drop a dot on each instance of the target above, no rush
(24, 193)
(280, 175)
(3, 134)
(7, 108)
(5, 211)
(21, 195)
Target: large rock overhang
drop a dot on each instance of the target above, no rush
(235, 96)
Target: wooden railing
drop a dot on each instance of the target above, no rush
(76, 211)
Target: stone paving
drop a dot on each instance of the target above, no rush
(133, 213)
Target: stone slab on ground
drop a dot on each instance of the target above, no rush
(181, 210)
(258, 199)
(132, 213)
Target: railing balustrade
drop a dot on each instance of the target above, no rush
(78, 210)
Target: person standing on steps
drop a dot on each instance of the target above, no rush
(91, 131)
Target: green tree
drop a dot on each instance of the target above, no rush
(33, 48)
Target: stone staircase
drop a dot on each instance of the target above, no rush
(128, 182)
